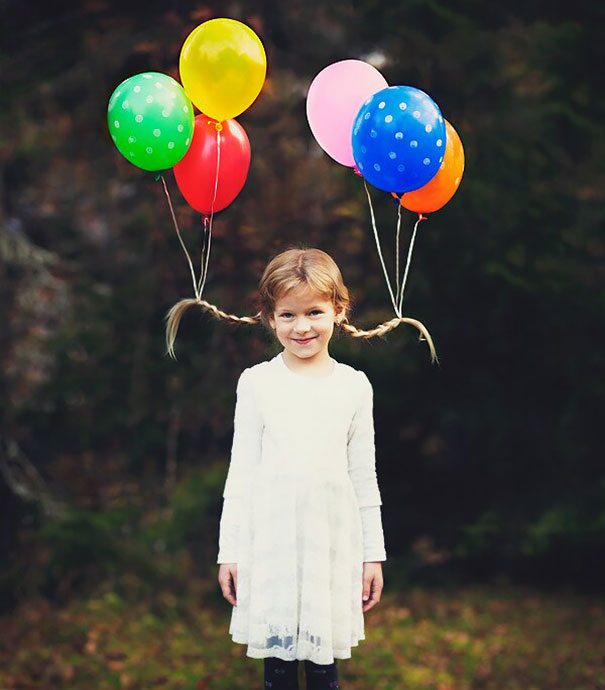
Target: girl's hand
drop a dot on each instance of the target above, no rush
(372, 584)
(227, 578)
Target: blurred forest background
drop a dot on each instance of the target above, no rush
(113, 456)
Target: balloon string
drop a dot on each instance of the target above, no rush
(407, 265)
(208, 221)
(380, 251)
(176, 227)
(397, 253)
(205, 244)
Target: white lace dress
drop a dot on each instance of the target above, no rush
(302, 466)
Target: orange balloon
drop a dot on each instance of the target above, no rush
(441, 188)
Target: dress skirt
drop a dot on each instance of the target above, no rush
(300, 572)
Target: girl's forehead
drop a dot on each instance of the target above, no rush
(302, 298)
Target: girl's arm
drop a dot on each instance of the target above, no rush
(245, 456)
(362, 471)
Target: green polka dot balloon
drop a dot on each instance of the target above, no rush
(150, 120)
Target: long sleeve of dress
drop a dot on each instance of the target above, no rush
(362, 471)
(361, 451)
(373, 536)
(245, 456)
(229, 530)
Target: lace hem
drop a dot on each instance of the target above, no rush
(304, 649)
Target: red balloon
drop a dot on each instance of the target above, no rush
(195, 173)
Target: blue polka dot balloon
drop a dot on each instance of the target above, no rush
(399, 139)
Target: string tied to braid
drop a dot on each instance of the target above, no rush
(198, 284)
(397, 297)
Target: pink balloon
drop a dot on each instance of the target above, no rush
(334, 99)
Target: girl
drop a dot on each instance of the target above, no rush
(301, 540)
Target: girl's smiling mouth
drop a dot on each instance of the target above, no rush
(303, 341)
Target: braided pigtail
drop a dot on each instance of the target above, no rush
(174, 316)
(387, 326)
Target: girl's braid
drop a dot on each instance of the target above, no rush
(387, 326)
(220, 314)
(175, 314)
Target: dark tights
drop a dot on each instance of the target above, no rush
(283, 675)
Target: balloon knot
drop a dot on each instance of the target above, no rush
(356, 171)
(219, 127)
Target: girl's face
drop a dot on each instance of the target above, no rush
(304, 323)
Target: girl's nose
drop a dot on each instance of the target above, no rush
(301, 325)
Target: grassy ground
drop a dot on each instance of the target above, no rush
(491, 638)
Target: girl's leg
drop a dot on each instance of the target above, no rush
(321, 676)
(281, 675)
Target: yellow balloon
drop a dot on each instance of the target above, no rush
(222, 67)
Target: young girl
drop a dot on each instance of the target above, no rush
(301, 540)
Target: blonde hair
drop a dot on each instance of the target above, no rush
(293, 268)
